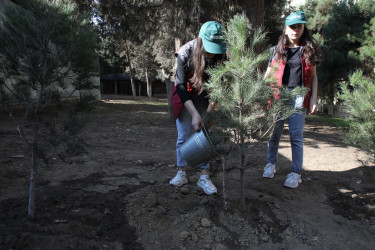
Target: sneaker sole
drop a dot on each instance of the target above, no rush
(269, 176)
(199, 185)
(175, 185)
(285, 185)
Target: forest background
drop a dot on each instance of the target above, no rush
(140, 37)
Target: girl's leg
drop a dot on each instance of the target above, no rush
(183, 124)
(273, 143)
(201, 104)
(204, 181)
(296, 126)
(272, 150)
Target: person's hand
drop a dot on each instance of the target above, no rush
(313, 107)
(196, 122)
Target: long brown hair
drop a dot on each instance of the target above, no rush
(199, 64)
(311, 51)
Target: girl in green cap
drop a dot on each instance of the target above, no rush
(189, 99)
(294, 61)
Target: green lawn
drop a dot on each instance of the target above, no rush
(329, 120)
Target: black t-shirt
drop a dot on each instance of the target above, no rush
(292, 76)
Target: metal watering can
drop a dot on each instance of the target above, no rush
(199, 149)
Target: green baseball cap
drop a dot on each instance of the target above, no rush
(212, 36)
(294, 18)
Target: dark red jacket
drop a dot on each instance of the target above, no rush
(306, 77)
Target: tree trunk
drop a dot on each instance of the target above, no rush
(139, 89)
(177, 44)
(255, 12)
(33, 173)
(242, 173)
(149, 86)
(132, 82)
(169, 87)
(223, 162)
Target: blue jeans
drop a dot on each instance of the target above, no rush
(296, 126)
(184, 129)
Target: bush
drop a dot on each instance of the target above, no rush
(359, 98)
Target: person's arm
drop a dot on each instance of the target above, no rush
(181, 79)
(314, 91)
(196, 119)
(268, 71)
(269, 68)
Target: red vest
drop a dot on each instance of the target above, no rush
(306, 77)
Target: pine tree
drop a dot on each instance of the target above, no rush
(246, 100)
(367, 50)
(359, 99)
(341, 29)
(47, 56)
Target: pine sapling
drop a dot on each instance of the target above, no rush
(246, 99)
(359, 100)
(47, 54)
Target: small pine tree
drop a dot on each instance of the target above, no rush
(343, 31)
(47, 49)
(367, 50)
(359, 98)
(246, 100)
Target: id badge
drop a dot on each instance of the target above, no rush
(299, 101)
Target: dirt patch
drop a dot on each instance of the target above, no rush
(117, 195)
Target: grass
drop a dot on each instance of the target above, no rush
(328, 120)
(122, 99)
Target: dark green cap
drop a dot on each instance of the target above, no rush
(212, 37)
(294, 18)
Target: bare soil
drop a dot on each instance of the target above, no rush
(116, 196)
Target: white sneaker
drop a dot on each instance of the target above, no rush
(179, 180)
(292, 180)
(206, 184)
(269, 171)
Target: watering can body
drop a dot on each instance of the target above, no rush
(198, 149)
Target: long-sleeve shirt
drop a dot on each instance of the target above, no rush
(185, 71)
